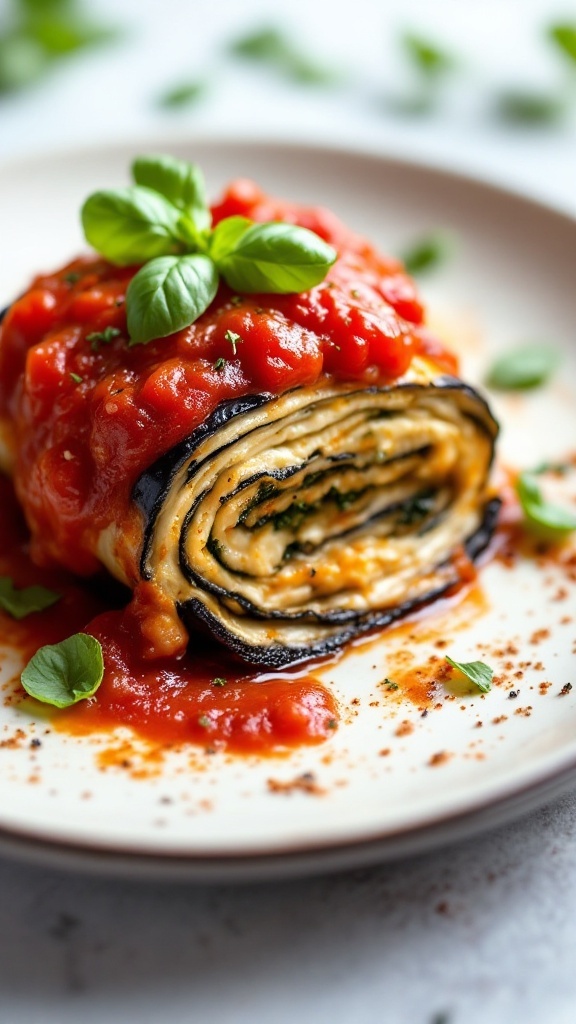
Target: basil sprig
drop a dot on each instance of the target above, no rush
(476, 671)
(164, 222)
(523, 368)
(62, 674)
(23, 601)
(542, 515)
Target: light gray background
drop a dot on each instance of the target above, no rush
(485, 931)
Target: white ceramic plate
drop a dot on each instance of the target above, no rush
(511, 280)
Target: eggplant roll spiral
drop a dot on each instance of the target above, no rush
(288, 525)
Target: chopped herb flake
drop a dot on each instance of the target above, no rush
(76, 378)
(220, 363)
(204, 721)
(219, 681)
(234, 340)
(105, 337)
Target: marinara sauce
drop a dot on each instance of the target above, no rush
(87, 414)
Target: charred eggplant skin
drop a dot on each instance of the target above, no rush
(194, 614)
(335, 627)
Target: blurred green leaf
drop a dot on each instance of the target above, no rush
(564, 36)
(187, 94)
(22, 62)
(428, 58)
(42, 33)
(428, 252)
(530, 108)
(272, 48)
(59, 37)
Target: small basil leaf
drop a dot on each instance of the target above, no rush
(167, 294)
(65, 34)
(540, 513)
(62, 674)
(428, 252)
(131, 225)
(22, 602)
(428, 58)
(184, 95)
(22, 61)
(270, 47)
(564, 36)
(180, 182)
(280, 258)
(477, 671)
(226, 236)
(521, 368)
(530, 108)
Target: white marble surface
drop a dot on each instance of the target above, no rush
(484, 931)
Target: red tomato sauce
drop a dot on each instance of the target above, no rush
(166, 701)
(90, 414)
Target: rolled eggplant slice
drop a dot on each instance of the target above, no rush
(287, 525)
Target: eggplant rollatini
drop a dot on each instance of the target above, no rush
(286, 473)
(288, 525)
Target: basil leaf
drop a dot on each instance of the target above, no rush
(428, 252)
(23, 601)
(62, 674)
(167, 294)
(270, 47)
(521, 368)
(530, 108)
(131, 225)
(226, 236)
(477, 671)
(540, 513)
(564, 36)
(60, 36)
(22, 62)
(428, 58)
(280, 258)
(184, 95)
(180, 182)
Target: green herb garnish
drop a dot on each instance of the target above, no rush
(220, 363)
(477, 671)
(163, 221)
(219, 681)
(234, 339)
(522, 368)
(431, 66)
(204, 721)
(530, 108)
(105, 337)
(390, 685)
(272, 48)
(62, 674)
(43, 33)
(187, 94)
(539, 513)
(20, 602)
(428, 252)
(563, 35)
(427, 57)
(76, 378)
